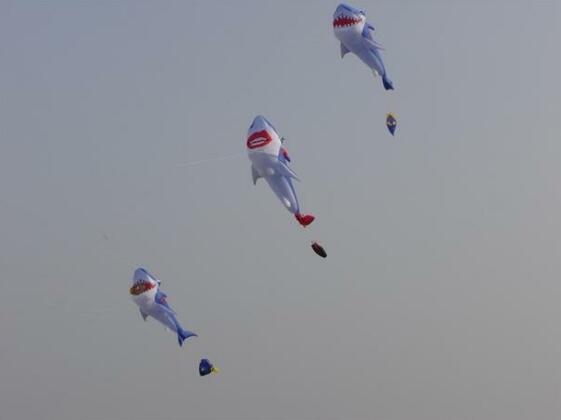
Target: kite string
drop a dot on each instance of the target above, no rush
(393, 102)
(216, 159)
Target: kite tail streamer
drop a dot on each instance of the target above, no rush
(391, 99)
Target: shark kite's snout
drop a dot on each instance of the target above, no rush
(142, 281)
(260, 123)
(262, 136)
(346, 16)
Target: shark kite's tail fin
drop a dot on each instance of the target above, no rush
(388, 85)
(304, 219)
(182, 335)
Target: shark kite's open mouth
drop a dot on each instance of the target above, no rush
(258, 139)
(343, 21)
(141, 287)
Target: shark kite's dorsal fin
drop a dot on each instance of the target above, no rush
(344, 50)
(254, 175)
(369, 39)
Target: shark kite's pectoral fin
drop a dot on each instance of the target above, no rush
(143, 315)
(254, 175)
(344, 50)
(285, 171)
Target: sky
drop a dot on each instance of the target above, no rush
(440, 296)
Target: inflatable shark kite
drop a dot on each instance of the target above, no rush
(269, 161)
(355, 35)
(151, 301)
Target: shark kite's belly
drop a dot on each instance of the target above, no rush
(284, 190)
(366, 55)
(264, 163)
(163, 317)
(267, 167)
(145, 300)
(373, 60)
(352, 40)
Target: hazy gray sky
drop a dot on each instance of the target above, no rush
(440, 297)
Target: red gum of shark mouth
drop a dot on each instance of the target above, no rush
(258, 139)
(141, 287)
(343, 21)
